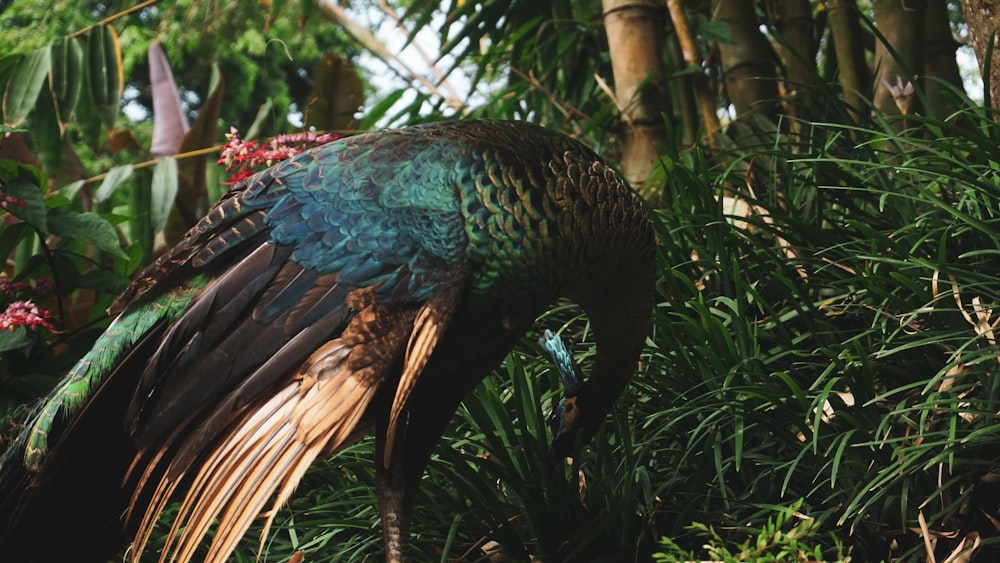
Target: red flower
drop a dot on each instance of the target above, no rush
(243, 158)
(6, 201)
(9, 287)
(25, 313)
(42, 287)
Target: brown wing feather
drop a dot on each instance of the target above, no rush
(267, 447)
(428, 327)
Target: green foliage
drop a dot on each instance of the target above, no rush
(56, 250)
(25, 84)
(62, 91)
(785, 537)
(834, 341)
(104, 52)
(526, 60)
(266, 57)
(269, 54)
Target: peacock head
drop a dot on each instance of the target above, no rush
(563, 421)
(618, 301)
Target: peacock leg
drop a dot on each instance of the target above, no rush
(429, 410)
(395, 503)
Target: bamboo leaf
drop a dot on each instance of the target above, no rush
(263, 112)
(380, 109)
(46, 130)
(164, 191)
(7, 66)
(65, 77)
(140, 203)
(104, 60)
(112, 180)
(70, 190)
(25, 84)
(86, 114)
(717, 31)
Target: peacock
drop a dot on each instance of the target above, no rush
(366, 285)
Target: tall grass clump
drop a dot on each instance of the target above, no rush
(835, 339)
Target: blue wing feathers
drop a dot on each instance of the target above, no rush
(347, 212)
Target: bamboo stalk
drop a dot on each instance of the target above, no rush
(689, 49)
(902, 26)
(853, 72)
(982, 17)
(635, 39)
(748, 62)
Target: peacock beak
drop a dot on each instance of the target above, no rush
(563, 417)
(566, 432)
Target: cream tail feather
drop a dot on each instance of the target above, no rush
(269, 450)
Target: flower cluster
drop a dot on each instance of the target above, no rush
(22, 311)
(27, 314)
(242, 158)
(42, 287)
(8, 201)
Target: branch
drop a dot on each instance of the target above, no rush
(148, 163)
(442, 80)
(335, 13)
(563, 107)
(114, 17)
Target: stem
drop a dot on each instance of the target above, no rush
(55, 277)
(852, 70)
(114, 17)
(634, 29)
(563, 107)
(153, 162)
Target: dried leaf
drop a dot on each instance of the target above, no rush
(336, 95)
(169, 120)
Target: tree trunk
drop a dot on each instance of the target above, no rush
(855, 78)
(983, 17)
(635, 30)
(940, 66)
(901, 23)
(792, 19)
(688, 49)
(748, 61)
